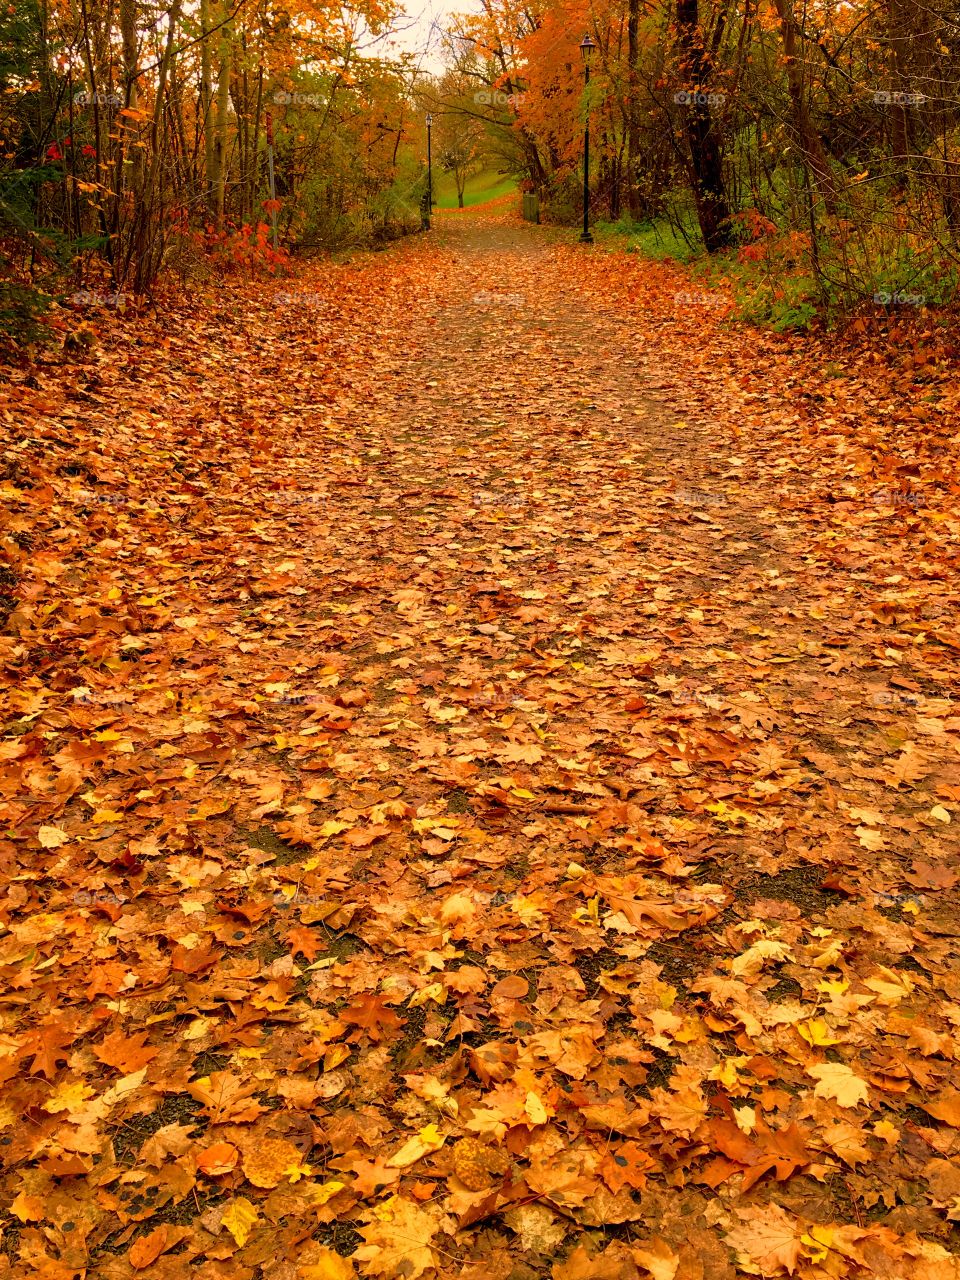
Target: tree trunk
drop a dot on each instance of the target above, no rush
(128, 35)
(253, 164)
(810, 146)
(219, 176)
(902, 44)
(633, 121)
(148, 221)
(206, 100)
(709, 191)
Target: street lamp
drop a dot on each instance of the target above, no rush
(586, 49)
(429, 170)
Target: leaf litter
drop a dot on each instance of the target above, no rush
(479, 783)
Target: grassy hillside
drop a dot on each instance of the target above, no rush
(482, 186)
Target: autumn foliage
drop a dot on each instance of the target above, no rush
(478, 786)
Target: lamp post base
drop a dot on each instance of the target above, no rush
(586, 237)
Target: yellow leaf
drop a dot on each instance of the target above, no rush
(890, 987)
(657, 1258)
(239, 1218)
(319, 1195)
(436, 992)
(732, 817)
(52, 837)
(27, 1207)
(333, 828)
(528, 910)
(428, 1139)
(816, 1032)
(833, 987)
(327, 1265)
(752, 961)
(746, 1118)
(397, 1241)
(827, 959)
(817, 1241)
(106, 815)
(68, 1096)
(535, 1109)
(837, 1080)
(198, 1028)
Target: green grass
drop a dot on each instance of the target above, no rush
(659, 240)
(481, 187)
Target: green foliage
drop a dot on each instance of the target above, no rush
(791, 306)
(562, 202)
(395, 210)
(22, 308)
(908, 270)
(334, 216)
(19, 199)
(660, 239)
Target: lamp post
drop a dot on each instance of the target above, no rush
(586, 49)
(429, 170)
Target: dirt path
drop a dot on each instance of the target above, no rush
(480, 789)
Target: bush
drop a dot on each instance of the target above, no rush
(22, 308)
(562, 201)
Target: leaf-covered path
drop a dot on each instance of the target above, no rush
(479, 783)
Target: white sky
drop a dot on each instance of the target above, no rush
(420, 29)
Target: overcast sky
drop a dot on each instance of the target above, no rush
(420, 30)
